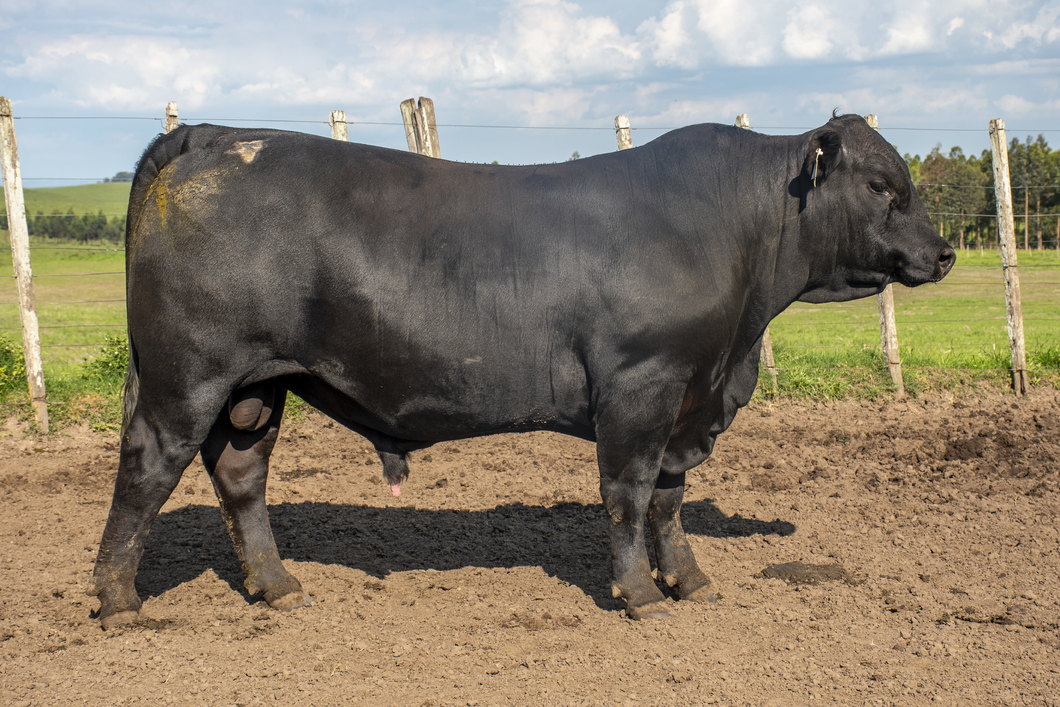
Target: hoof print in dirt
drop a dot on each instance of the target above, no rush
(801, 573)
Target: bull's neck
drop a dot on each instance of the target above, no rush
(758, 203)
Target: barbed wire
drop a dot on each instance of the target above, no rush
(76, 274)
(904, 311)
(1010, 129)
(989, 186)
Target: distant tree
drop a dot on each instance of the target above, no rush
(1033, 176)
(574, 156)
(913, 163)
(120, 177)
(70, 226)
(952, 189)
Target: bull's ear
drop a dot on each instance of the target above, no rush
(824, 155)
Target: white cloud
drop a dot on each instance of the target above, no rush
(806, 35)
(548, 42)
(1024, 67)
(668, 39)
(699, 33)
(738, 36)
(688, 112)
(693, 32)
(898, 102)
(552, 62)
(1014, 104)
(122, 72)
(914, 32)
(1044, 28)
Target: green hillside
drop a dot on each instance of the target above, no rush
(112, 198)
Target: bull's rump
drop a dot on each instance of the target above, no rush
(440, 298)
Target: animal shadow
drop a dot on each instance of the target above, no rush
(567, 540)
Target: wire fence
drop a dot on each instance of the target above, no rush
(100, 306)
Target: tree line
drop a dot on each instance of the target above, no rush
(81, 228)
(958, 192)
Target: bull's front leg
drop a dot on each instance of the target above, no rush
(626, 502)
(677, 565)
(632, 431)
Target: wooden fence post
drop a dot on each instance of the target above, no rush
(171, 117)
(18, 232)
(338, 125)
(1007, 237)
(421, 129)
(888, 323)
(744, 121)
(622, 133)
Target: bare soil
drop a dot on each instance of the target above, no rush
(927, 532)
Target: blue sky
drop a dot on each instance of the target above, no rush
(928, 69)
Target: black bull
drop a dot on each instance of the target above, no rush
(620, 298)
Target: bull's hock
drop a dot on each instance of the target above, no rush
(620, 298)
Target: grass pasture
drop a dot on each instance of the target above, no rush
(112, 198)
(952, 334)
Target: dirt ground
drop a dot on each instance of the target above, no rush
(487, 581)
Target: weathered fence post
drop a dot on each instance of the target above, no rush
(338, 125)
(888, 324)
(1007, 238)
(19, 235)
(744, 121)
(421, 130)
(171, 117)
(622, 133)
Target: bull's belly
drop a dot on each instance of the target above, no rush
(430, 413)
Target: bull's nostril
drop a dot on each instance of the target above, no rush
(946, 259)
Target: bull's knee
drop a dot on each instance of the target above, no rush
(251, 407)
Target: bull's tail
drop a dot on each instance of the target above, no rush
(130, 390)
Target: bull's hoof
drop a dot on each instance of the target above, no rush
(655, 610)
(703, 595)
(289, 602)
(118, 618)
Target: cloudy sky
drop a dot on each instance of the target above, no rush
(934, 72)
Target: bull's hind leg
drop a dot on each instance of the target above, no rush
(153, 457)
(677, 564)
(236, 455)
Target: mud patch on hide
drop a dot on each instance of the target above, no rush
(246, 151)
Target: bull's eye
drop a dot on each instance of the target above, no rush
(878, 187)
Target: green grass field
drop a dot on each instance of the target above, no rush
(952, 334)
(112, 198)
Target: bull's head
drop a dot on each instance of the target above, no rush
(861, 212)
